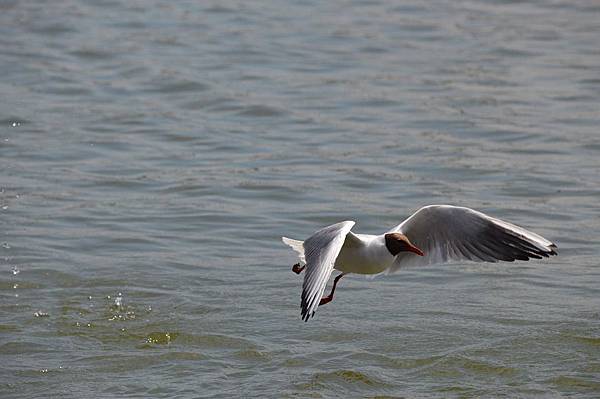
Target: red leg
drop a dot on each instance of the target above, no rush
(329, 297)
(297, 268)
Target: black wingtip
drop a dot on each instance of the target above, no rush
(305, 316)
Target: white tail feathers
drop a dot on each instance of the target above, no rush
(296, 246)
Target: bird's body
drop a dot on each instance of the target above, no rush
(433, 234)
(364, 254)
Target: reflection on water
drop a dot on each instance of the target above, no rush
(152, 154)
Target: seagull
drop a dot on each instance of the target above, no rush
(433, 234)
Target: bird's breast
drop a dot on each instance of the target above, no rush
(363, 260)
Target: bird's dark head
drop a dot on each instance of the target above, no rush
(397, 242)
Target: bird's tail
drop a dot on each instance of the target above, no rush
(296, 246)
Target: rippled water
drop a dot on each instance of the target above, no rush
(152, 154)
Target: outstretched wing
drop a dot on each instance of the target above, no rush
(448, 233)
(320, 252)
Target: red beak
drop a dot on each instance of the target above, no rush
(415, 250)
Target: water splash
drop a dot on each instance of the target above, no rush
(163, 338)
(119, 301)
(120, 311)
(15, 270)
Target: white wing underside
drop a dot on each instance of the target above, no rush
(451, 234)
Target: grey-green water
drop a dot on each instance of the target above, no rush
(152, 154)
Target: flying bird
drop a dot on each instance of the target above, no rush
(433, 234)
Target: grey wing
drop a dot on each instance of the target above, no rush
(320, 252)
(448, 233)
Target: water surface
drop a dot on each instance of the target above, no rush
(152, 154)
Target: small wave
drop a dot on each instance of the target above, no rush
(261, 111)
